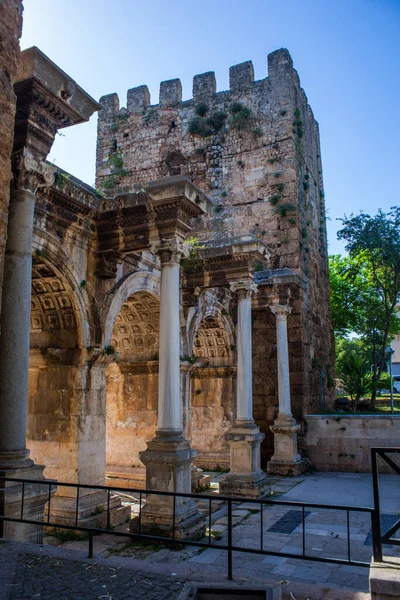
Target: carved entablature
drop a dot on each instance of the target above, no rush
(282, 284)
(107, 265)
(123, 224)
(47, 100)
(213, 372)
(67, 209)
(149, 367)
(175, 201)
(228, 260)
(211, 341)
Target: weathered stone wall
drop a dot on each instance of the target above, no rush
(255, 150)
(131, 413)
(10, 32)
(343, 443)
(66, 420)
(211, 418)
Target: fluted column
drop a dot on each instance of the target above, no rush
(286, 459)
(245, 477)
(15, 314)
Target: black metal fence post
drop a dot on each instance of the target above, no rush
(376, 515)
(230, 539)
(90, 555)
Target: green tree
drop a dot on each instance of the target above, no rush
(353, 368)
(373, 244)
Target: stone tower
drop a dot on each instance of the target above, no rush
(255, 151)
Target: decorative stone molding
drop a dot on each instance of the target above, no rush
(213, 372)
(244, 288)
(106, 266)
(170, 250)
(32, 174)
(99, 356)
(281, 311)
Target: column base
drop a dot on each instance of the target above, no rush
(168, 460)
(92, 509)
(286, 459)
(246, 478)
(35, 499)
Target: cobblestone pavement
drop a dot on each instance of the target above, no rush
(29, 571)
(24, 575)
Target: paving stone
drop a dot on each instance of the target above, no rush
(208, 556)
(274, 560)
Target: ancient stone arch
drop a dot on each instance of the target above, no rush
(132, 381)
(50, 251)
(121, 293)
(212, 404)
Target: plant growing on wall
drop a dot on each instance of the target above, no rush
(283, 209)
(204, 127)
(242, 119)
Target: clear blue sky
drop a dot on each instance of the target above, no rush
(347, 53)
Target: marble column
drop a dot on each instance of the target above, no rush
(286, 459)
(245, 477)
(168, 457)
(14, 350)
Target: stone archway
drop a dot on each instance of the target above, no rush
(132, 387)
(212, 390)
(54, 357)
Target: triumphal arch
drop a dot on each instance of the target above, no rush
(175, 317)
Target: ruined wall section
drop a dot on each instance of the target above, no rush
(10, 32)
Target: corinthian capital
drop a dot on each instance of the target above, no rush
(244, 288)
(281, 311)
(170, 250)
(32, 174)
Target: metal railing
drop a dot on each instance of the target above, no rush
(172, 538)
(378, 537)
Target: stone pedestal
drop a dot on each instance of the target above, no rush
(92, 508)
(33, 508)
(168, 461)
(286, 459)
(245, 477)
(384, 579)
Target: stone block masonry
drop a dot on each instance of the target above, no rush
(254, 149)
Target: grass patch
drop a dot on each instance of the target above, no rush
(66, 535)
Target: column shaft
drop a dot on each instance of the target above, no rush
(244, 358)
(283, 365)
(15, 323)
(169, 406)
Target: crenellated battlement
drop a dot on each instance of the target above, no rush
(241, 79)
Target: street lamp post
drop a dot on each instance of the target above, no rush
(389, 350)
